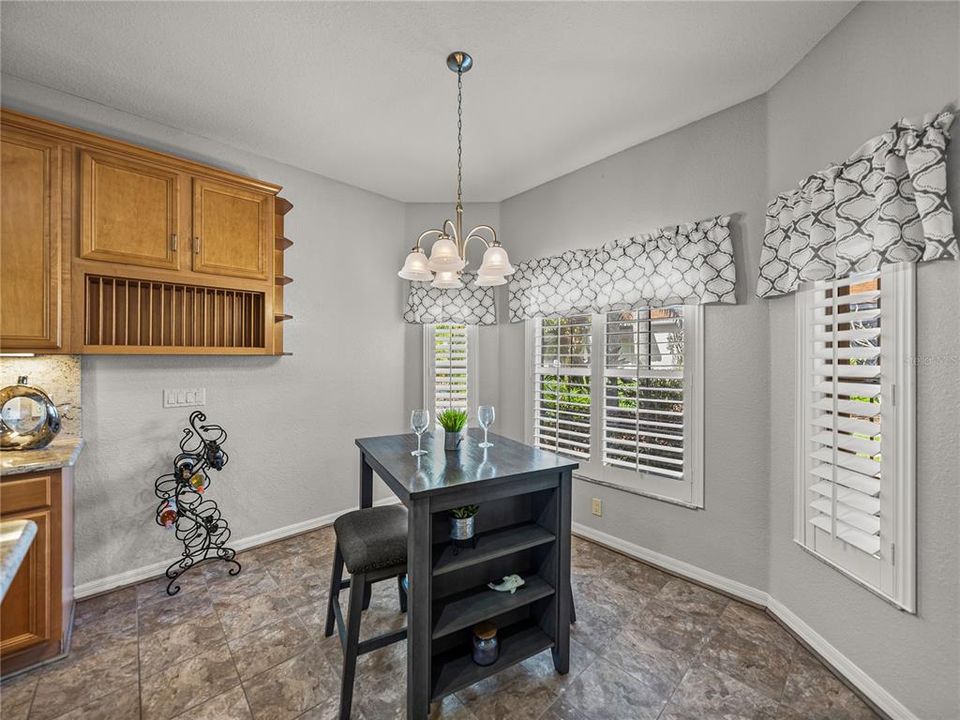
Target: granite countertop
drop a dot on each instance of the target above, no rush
(62, 452)
(16, 536)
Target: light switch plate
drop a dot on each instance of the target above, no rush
(184, 397)
(597, 508)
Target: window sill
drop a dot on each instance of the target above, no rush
(636, 491)
(850, 576)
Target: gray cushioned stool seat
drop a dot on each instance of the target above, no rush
(372, 538)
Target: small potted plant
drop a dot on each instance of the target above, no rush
(463, 523)
(452, 421)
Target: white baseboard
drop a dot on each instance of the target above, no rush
(678, 567)
(852, 673)
(148, 572)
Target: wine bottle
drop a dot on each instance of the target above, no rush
(168, 516)
(196, 481)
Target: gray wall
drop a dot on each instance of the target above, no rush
(291, 420)
(883, 62)
(713, 166)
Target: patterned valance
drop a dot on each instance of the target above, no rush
(886, 204)
(468, 305)
(688, 264)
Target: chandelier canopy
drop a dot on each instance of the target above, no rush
(448, 256)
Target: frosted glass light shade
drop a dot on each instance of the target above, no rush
(495, 262)
(415, 267)
(490, 280)
(447, 280)
(444, 257)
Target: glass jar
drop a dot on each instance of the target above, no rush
(486, 647)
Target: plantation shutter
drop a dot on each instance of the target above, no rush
(450, 368)
(643, 394)
(561, 403)
(847, 383)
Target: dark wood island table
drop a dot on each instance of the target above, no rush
(523, 528)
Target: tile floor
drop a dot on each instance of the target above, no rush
(646, 645)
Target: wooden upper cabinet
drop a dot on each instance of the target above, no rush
(108, 247)
(232, 229)
(128, 210)
(30, 242)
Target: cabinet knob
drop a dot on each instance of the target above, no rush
(196, 245)
(173, 242)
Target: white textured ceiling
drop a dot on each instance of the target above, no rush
(360, 91)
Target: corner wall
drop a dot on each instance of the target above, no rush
(884, 61)
(714, 166)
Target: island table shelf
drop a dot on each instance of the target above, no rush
(523, 528)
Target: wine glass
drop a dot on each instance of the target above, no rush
(419, 422)
(485, 416)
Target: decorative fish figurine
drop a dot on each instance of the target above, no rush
(509, 584)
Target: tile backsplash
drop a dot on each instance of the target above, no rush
(56, 375)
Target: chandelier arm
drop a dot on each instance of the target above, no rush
(425, 234)
(453, 231)
(487, 243)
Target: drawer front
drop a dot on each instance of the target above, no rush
(26, 493)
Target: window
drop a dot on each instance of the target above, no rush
(855, 477)
(450, 366)
(622, 392)
(561, 392)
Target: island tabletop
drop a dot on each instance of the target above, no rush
(522, 527)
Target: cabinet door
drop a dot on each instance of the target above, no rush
(25, 615)
(231, 230)
(128, 211)
(29, 242)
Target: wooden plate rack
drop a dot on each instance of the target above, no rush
(136, 314)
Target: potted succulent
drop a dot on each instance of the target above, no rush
(463, 522)
(452, 421)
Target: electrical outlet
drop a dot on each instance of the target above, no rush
(597, 507)
(193, 397)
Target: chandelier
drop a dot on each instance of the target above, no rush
(448, 256)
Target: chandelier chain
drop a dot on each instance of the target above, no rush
(459, 136)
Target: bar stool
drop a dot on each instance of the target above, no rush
(372, 543)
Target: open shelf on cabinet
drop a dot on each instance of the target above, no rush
(490, 545)
(455, 669)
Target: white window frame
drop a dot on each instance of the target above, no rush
(896, 580)
(687, 492)
(429, 371)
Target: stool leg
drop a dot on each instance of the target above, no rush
(335, 580)
(402, 594)
(367, 593)
(358, 587)
(573, 608)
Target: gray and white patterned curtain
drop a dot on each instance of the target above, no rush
(468, 305)
(688, 264)
(886, 204)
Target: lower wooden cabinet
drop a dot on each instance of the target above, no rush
(35, 613)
